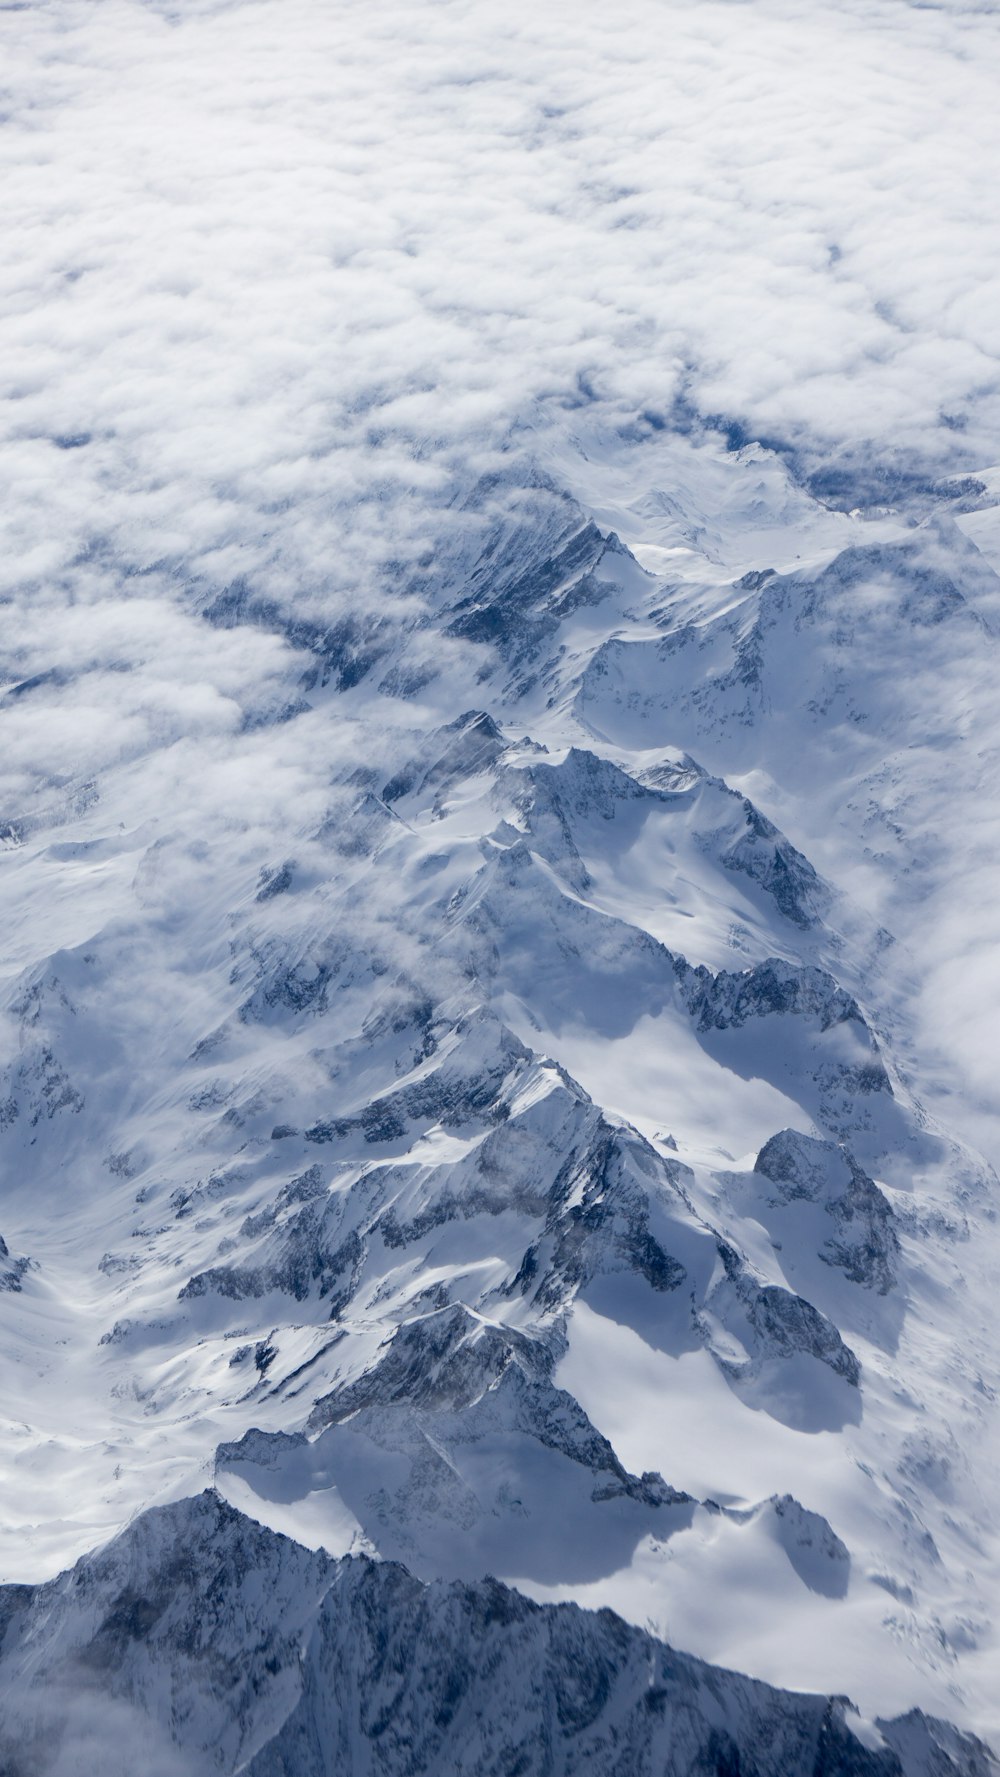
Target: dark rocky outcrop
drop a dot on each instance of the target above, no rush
(206, 1642)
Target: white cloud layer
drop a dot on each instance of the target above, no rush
(263, 259)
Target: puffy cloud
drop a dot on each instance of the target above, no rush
(270, 264)
(276, 275)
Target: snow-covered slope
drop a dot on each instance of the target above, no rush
(478, 1114)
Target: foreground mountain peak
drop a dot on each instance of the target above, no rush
(213, 1644)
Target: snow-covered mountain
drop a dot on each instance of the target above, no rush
(200, 1642)
(472, 1109)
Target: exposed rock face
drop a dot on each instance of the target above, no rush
(588, 1201)
(11, 1270)
(212, 1644)
(784, 1324)
(771, 989)
(863, 1241)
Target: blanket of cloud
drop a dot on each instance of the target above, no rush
(267, 264)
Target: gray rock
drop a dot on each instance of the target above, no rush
(201, 1635)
